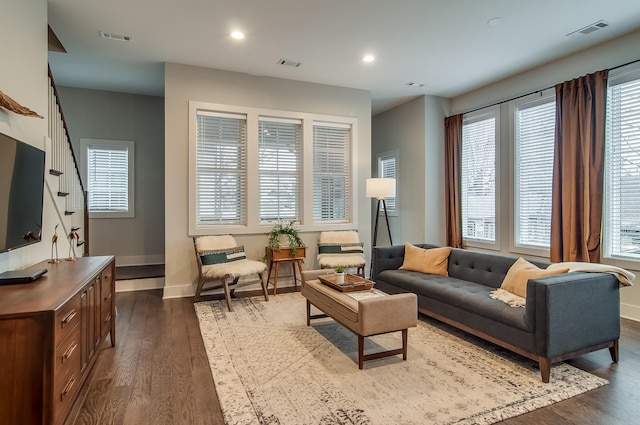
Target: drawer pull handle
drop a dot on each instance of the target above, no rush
(107, 298)
(107, 319)
(69, 352)
(69, 318)
(67, 389)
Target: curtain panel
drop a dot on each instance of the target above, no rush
(576, 216)
(452, 158)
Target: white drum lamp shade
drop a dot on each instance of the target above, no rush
(380, 188)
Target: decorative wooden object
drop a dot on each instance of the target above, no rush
(284, 255)
(52, 330)
(351, 283)
(11, 105)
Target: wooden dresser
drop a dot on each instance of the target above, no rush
(50, 334)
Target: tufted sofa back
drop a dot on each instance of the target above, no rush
(481, 267)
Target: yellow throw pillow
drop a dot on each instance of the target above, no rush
(432, 260)
(519, 274)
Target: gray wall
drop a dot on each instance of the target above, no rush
(107, 115)
(23, 76)
(185, 83)
(416, 130)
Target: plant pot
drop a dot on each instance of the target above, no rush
(339, 278)
(284, 241)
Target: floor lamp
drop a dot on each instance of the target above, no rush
(380, 189)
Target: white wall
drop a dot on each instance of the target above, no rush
(184, 83)
(416, 130)
(97, 114)
(607, 55)
(23, 76)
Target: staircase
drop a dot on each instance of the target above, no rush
(63, 181)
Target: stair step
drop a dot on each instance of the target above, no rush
(55, 172)
(63, 194)
(79, 243)
(69, 212)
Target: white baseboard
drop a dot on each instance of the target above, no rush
(139, 284)
(629, 311)
(181, 291)
(139, 260)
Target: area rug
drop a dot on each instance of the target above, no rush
(270, 368)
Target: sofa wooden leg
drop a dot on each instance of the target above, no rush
(614, 351)
(308, 313)
(360, 351)
(545, 369)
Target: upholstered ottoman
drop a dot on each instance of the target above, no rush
(365, 317)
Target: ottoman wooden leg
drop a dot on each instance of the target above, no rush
(360, 351)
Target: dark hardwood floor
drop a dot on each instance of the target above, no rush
(158, 373)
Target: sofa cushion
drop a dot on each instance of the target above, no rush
(432, 260)
(519, 274)
(460, 294)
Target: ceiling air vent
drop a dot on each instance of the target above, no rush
(115, 36)
(287, 62)
(588, 29)
(414, 84)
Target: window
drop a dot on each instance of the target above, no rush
(221, 168)
(279, 151)
(534, 150)
(387, 169)
(622, 168)
(478, 177)
(250, 167)
(108, 167)
(331, 173)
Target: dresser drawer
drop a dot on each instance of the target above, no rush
(67, 355)
(67, 318)
(65, 389)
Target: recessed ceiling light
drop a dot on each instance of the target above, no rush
(368, 58)
(238, 35)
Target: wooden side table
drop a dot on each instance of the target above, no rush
(284, 255)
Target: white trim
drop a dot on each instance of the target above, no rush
(181, 291)
(85, 143)
(630, 311)
(480, 115)
(533, 99)
(139, 284)
(308, 120)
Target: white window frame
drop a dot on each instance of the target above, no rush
(527, 101)
(393, 155)
(619, 76)
(480, 115)
(282, 172)
(253, 225)
(85, 144)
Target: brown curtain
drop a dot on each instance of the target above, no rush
(576, 212)
(452, 164)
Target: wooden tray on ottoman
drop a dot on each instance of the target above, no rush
(351, 283)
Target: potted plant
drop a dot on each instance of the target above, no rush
(339, 275)
(285, 234)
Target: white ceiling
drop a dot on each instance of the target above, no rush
(446, 45)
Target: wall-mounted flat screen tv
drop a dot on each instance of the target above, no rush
(21, 193)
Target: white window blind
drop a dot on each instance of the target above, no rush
(279, 152)
(479, 179)
(331, 173)
(108, 178)
(535, 133)
(221, 168)
(622, 170)
(387, 170)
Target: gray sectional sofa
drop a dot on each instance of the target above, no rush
(566, 315)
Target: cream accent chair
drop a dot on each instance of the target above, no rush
(341, 248)
(220, 258)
